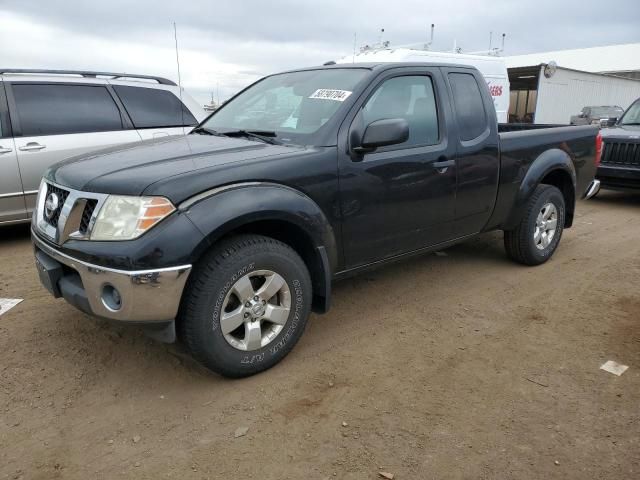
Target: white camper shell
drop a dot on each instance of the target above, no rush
(492, 68)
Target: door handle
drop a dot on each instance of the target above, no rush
(5, 150)
(31, 146)
(443, 164)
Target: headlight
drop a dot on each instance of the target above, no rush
(126, 218)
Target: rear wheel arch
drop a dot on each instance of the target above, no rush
(561, 179)
(534, 240)
(552, 167)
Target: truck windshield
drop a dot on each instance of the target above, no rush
(292, 107)
(632, 116)
(606, 111)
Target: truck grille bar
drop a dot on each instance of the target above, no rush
(620, 153)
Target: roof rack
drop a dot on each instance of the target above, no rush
(88, 74)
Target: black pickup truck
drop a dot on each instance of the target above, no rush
(620, 167)
(228, 237)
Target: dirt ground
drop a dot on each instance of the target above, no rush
(442, 367)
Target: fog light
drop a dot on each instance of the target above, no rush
(111, 298)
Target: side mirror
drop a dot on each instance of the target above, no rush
(381, 133)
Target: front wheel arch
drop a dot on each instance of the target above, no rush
(316, 257)
(276, 211)
(213, 339)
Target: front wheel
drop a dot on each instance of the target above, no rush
(245, 306)
(537, 235)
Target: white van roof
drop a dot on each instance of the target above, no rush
(488, 65)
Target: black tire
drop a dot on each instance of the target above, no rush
(519, 242)
(209, 287)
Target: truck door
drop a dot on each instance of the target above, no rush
(478, 155)
(12, 206)
(54, 121)
(399, 198)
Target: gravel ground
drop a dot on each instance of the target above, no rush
(456, 366)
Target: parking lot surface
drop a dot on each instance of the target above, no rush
(462, 365)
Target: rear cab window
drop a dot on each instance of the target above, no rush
(154, 108)
(469, 106)
(58, 109)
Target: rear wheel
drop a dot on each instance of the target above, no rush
(536, 237)
(246, 305)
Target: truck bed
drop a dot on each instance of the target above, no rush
(532, 141)
(520, 147)
(512, 127)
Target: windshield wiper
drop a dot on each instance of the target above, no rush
(631, 123)
(205, 131)
(262, 135)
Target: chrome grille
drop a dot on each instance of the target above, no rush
(73, 217)
(619, 153)
(61, 195)
(87, 214)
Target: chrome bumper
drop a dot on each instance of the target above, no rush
(593, 189)
(145, 295)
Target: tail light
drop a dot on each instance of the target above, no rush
(598, 149)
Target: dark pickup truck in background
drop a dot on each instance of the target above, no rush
(602, 116)
(620, 167)
(231, 235)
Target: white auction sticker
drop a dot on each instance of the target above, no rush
(7, 304)
(329, 94)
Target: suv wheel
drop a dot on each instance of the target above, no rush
(245, 306)
(537, 236)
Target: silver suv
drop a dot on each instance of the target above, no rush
(49, 115)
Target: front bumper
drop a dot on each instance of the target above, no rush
(143, 296)
(619, 176)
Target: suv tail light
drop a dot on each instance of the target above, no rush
(598, 149)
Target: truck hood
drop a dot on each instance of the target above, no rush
(130, 169)
(622, 132)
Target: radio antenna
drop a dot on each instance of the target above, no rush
(430, 42)
(175, 36)
(355, 39)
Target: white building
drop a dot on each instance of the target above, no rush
(618, 60)
(549, 87)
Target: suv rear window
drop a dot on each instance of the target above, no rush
(57, 109)
(467, 100)
(152, 108)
